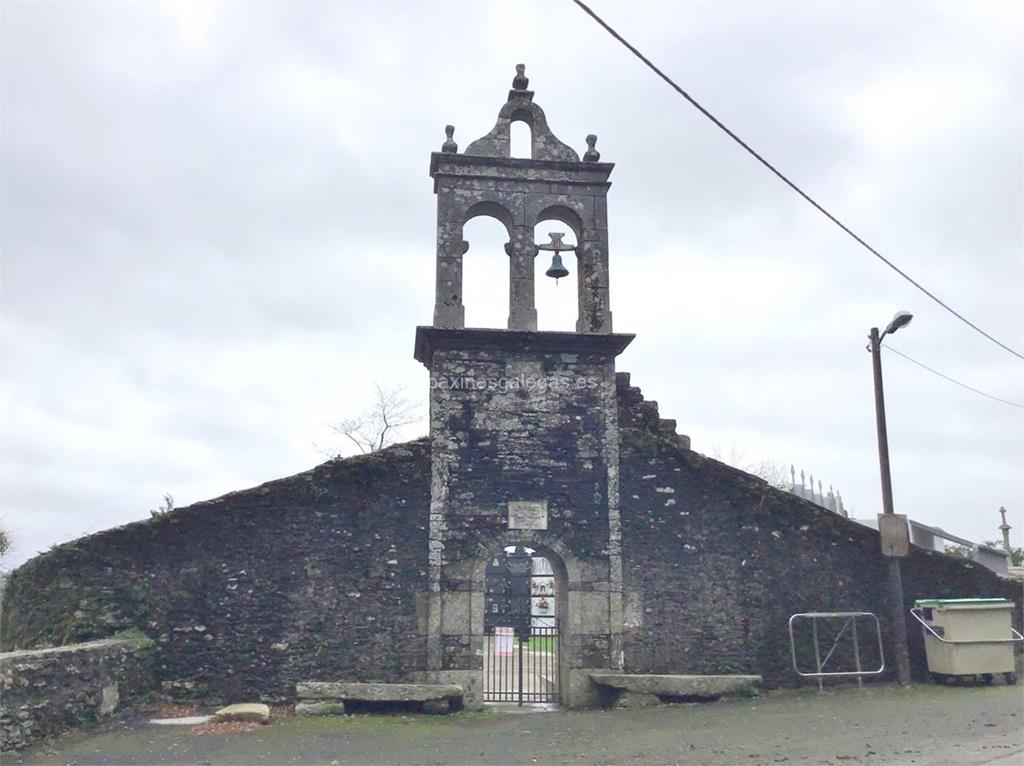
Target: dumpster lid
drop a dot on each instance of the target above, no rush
(925, 602)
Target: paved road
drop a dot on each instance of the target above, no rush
(922, 725)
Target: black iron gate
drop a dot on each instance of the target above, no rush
(522, 665)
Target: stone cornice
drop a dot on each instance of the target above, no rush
(431, 339)
(517, 168)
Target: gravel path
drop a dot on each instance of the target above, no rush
(925, 724)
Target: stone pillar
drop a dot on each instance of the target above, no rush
(448, 309)
(615, 579)
(594, 307)
(521, 301)
(439, 479)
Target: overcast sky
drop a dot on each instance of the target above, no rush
(218, 232)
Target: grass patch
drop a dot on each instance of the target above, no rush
(134, 634)
(541, 643)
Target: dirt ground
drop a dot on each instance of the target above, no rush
(924, 724)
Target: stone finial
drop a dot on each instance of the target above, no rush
(520, 108)
(449, 146)
(591, 155)
(521, 81)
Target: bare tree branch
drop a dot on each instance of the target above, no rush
(380, 424)
(773, 472)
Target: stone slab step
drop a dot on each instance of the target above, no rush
(376, 692)
(679, 686)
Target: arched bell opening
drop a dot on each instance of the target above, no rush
(485, 271)
(520, 139)
(557, 269)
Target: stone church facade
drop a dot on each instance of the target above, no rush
(373, 568)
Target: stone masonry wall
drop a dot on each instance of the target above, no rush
(324, 575)
(316, 576)
(715, 561)
(47, 691)
(545, 442)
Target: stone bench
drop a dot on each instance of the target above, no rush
(331, 697)
(638, 690)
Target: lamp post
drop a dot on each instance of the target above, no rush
(892, 528)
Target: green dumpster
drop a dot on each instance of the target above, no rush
(968, 638)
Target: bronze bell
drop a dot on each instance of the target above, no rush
(557, 270)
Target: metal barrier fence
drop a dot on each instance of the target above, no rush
(849, 625)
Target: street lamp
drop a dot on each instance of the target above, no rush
(902, 319)
(892, 527)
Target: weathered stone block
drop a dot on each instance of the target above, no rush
(588, 612)
(436, 706)
(325, 707)
(702, 687)
(591, 651)
(470, 681)
(109, 697)
(253, 712)
(634, 700)
(373, 692)
(458, 652)
(455, 612)
(581, 692)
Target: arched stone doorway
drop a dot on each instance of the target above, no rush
(567, 584)
(584, 604)
(524, 591)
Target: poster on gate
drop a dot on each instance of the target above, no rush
(503, 641)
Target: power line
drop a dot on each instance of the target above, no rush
(586, 9)
(952, 380)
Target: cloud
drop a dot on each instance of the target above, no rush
(218, 232)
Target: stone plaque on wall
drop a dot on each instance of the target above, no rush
(527, 514)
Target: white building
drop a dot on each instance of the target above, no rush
(935, 539)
